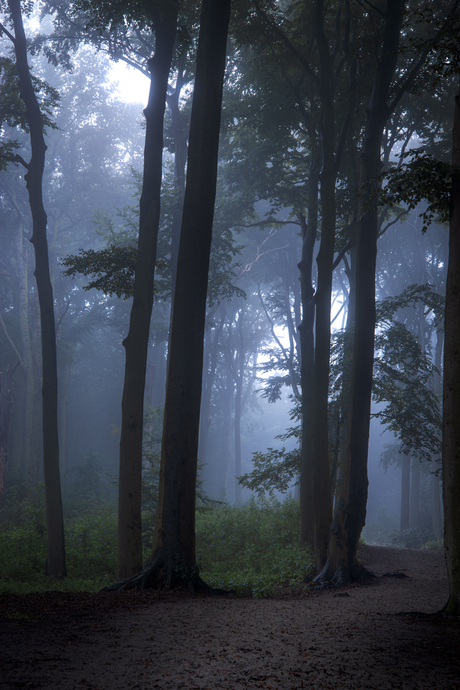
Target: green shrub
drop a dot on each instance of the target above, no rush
(434, 545)
(252, 549)
(412, 537)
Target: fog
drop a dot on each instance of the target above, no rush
(251, 379)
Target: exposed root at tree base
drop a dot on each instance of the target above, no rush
(342, 576)
(157, 575)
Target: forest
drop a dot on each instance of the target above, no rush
(228, 259)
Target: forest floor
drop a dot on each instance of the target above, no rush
(385, 634)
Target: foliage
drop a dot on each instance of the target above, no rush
(412, 538)
(422, 178)
(13, 111)
(90, 539)
(275, 469)
(412, 411)
(252, 549)
(113, 268)
(403, 372)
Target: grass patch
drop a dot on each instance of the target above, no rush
(252, 549)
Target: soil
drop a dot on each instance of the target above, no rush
(386, 634)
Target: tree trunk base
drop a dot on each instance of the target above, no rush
(342, 575)
(159, 574)
(452, 607)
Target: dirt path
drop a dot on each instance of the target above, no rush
(361, 637)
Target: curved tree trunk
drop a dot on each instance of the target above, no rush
(136, 342)
(54, 519)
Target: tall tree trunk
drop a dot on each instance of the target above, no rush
(173, 550)
(6, 408)
(415, 494)
(136, 342)
(324, 260)
(54, 519)
(451, 395)
(405, 493)
(435, 506)
(238, 406)
(30, 461)
(210, 363)
(173, 559)
(307, 357)
(342, 565)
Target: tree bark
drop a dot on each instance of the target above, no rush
(324, 260)
(414, 494)
(451, 395)
(54, 519)
(342, 565)
(405, 493)
(239, 374)
(307, 359)
(136, 342)
(173, 561)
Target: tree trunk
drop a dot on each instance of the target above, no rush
(405, 493)
(451, 395)
(173, 552)
(136, 342)
(435, 507)
(342, 565)
(307, 358)
(6, 408)
(34, 178)
(324, 260)
(415, 494)
(210, 363)
(238, 407)
(30, 461)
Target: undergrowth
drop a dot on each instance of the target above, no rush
(252, 549)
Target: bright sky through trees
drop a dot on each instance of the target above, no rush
(132, 86)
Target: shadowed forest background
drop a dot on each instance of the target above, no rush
(286, 285)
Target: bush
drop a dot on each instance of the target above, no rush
(90, 540)
(412, 538)
(252, 549)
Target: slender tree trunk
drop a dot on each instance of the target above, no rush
(31, 457)
(405, 493)
(342, 565)
(415, 494)
(307, 358)
(6, 409)
(238, 407)
(54, 519)
(435, 507)
(208, 379)
(136, 342)
(173, 550)
(173, 559)
(324, 260)
(451, 395)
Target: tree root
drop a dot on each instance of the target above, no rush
(157, 575)
(342, 576)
